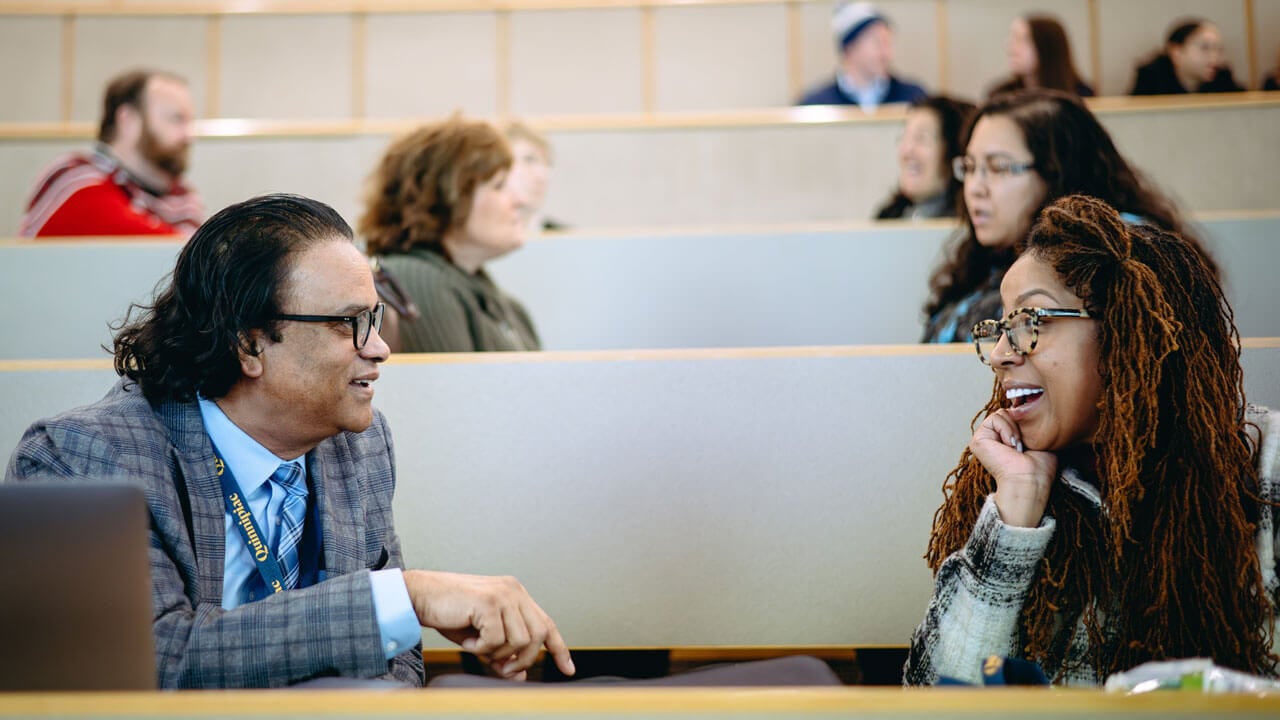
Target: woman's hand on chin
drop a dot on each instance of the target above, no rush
(1023, 478)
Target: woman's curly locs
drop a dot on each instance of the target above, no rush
(1169, 565)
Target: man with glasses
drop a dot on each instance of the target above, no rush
(245, 413)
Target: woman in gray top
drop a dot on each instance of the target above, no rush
(438, 208)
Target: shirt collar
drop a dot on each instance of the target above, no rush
(250, 463)
(868, 96)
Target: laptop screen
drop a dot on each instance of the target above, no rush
(75, 588)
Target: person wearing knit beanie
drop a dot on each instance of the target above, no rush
(864, 43)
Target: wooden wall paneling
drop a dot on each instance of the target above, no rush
(107, 45)
(33, 58)
(428, 65)
(287, 66)
(577, 61)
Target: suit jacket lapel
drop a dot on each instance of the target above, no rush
(341, 515)
(195, 461)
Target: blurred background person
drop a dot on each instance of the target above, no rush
(1272, 80)
(1023, 151)
(531, 173)
(927, 187)
(1039, 55)
(439, 206)
(131, 182)
(1192, 62)
(864, 42)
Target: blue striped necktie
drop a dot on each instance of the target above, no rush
(293, 514)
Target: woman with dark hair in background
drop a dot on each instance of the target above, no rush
(1272, 80)
(931, 137)
(1116, 503)
(1023, 151)
(1040, 57)
(1191, 62)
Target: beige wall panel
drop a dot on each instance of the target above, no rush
(286, 66)
(1131, 31)
(30, 69)
(23, 161)
(977, 34)
(430, 64)
(576, 61)
(328, 169)
(721, 57)
(915, 28)
(1226, 174)
(107, 46)
(723, 175)
(1266, 20)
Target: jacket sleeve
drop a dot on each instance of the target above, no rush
(328, 629)
(1268, 540)
(978, 595)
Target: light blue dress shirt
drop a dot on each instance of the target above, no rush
(252, 465)
(870, 96)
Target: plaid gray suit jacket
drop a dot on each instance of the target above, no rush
(326, 629)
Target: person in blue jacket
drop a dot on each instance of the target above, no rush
(865, 44)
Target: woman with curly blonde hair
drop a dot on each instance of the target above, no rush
(1115, 504)
(439, 207)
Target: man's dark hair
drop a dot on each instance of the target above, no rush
(226, 284)
(127, 89)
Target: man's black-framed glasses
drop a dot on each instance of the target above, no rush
(1022, 327)
(362, 324)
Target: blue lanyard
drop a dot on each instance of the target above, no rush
(268, 566)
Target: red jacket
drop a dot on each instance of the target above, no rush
(92, 194)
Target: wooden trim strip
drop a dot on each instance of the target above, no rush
(1095, 46)
(213, 69)
(66, 94)
(318, 7)
(944, 47)
(795, 49)
(832, 351)
(648, 62)
(502, 63)
(1251, 42)
(359, 53)
(1019, 702)
(768, 117)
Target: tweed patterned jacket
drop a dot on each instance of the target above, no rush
(326, 629)
(980, 589)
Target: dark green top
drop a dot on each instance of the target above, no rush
(460, 312)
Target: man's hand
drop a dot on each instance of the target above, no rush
(493, 617)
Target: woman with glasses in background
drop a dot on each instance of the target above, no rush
(439, 206)
(1024, 150)
(1112, 506)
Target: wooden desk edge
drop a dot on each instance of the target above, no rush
(783, 116)
(561, 700)
(651, 355)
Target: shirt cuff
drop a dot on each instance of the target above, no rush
(397, 622)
